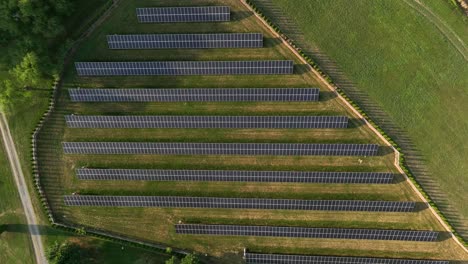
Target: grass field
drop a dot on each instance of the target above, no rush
(408, 62)
(15, 244)
(156, 225)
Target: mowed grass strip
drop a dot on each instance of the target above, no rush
(159, 223)
(303, 163)
(207, 108)
(219, 135)
(243, 190)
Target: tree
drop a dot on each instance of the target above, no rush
(81, 231)
(68, 253)
(9, 93)
(172, 260)
(190, 259)
(53, 250)
(27, 73)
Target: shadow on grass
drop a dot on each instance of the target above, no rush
(326, 95)
(355, 122)
(384, 150)
(420, 206)
(24, 228)
(271, 42)
(240, 15)
(444, 236)
(398, 178)
(301, 68)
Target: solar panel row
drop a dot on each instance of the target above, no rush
(234, 176)
(184, 68)
(257, 258)
(304, 232)
(195, 95)
(240, 122)
(183, 14)
(185, 41)
(219, 148)
(238, 203)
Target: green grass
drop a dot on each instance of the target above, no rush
(156, 224)
(15, 244)
(409, 69)
(112, 253)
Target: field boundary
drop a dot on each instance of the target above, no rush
(399, 160)
(35, 166)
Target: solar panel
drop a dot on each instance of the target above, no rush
(195, 95)
(183, 14)
(304, 232)
(185, 41)
(257, 258)
(234, 176)
(219, 148)
(239, 122)
(238, 203)
(184, 68)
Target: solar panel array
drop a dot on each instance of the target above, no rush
(238, 203)
(195, 95)
(183, 14)
(185, 41)
(234, 176)
(241, 122)
(219, 148)
(256, 258)
(184, 68)
(304, 232)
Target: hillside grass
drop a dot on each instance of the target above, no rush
(156, 224)
(408, 69)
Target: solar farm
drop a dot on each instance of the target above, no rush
(195, 127)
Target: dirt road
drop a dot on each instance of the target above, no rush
(23, 191)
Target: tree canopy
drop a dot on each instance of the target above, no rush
(68, 253)
(31, 40)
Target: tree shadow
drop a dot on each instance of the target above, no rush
(24, 228)
(326, 96)
(398, 178)
(240, 15)
(384, 150)
(271, 42)
(443, 235)
(420, 206)
(301, 68)
(355, 122)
